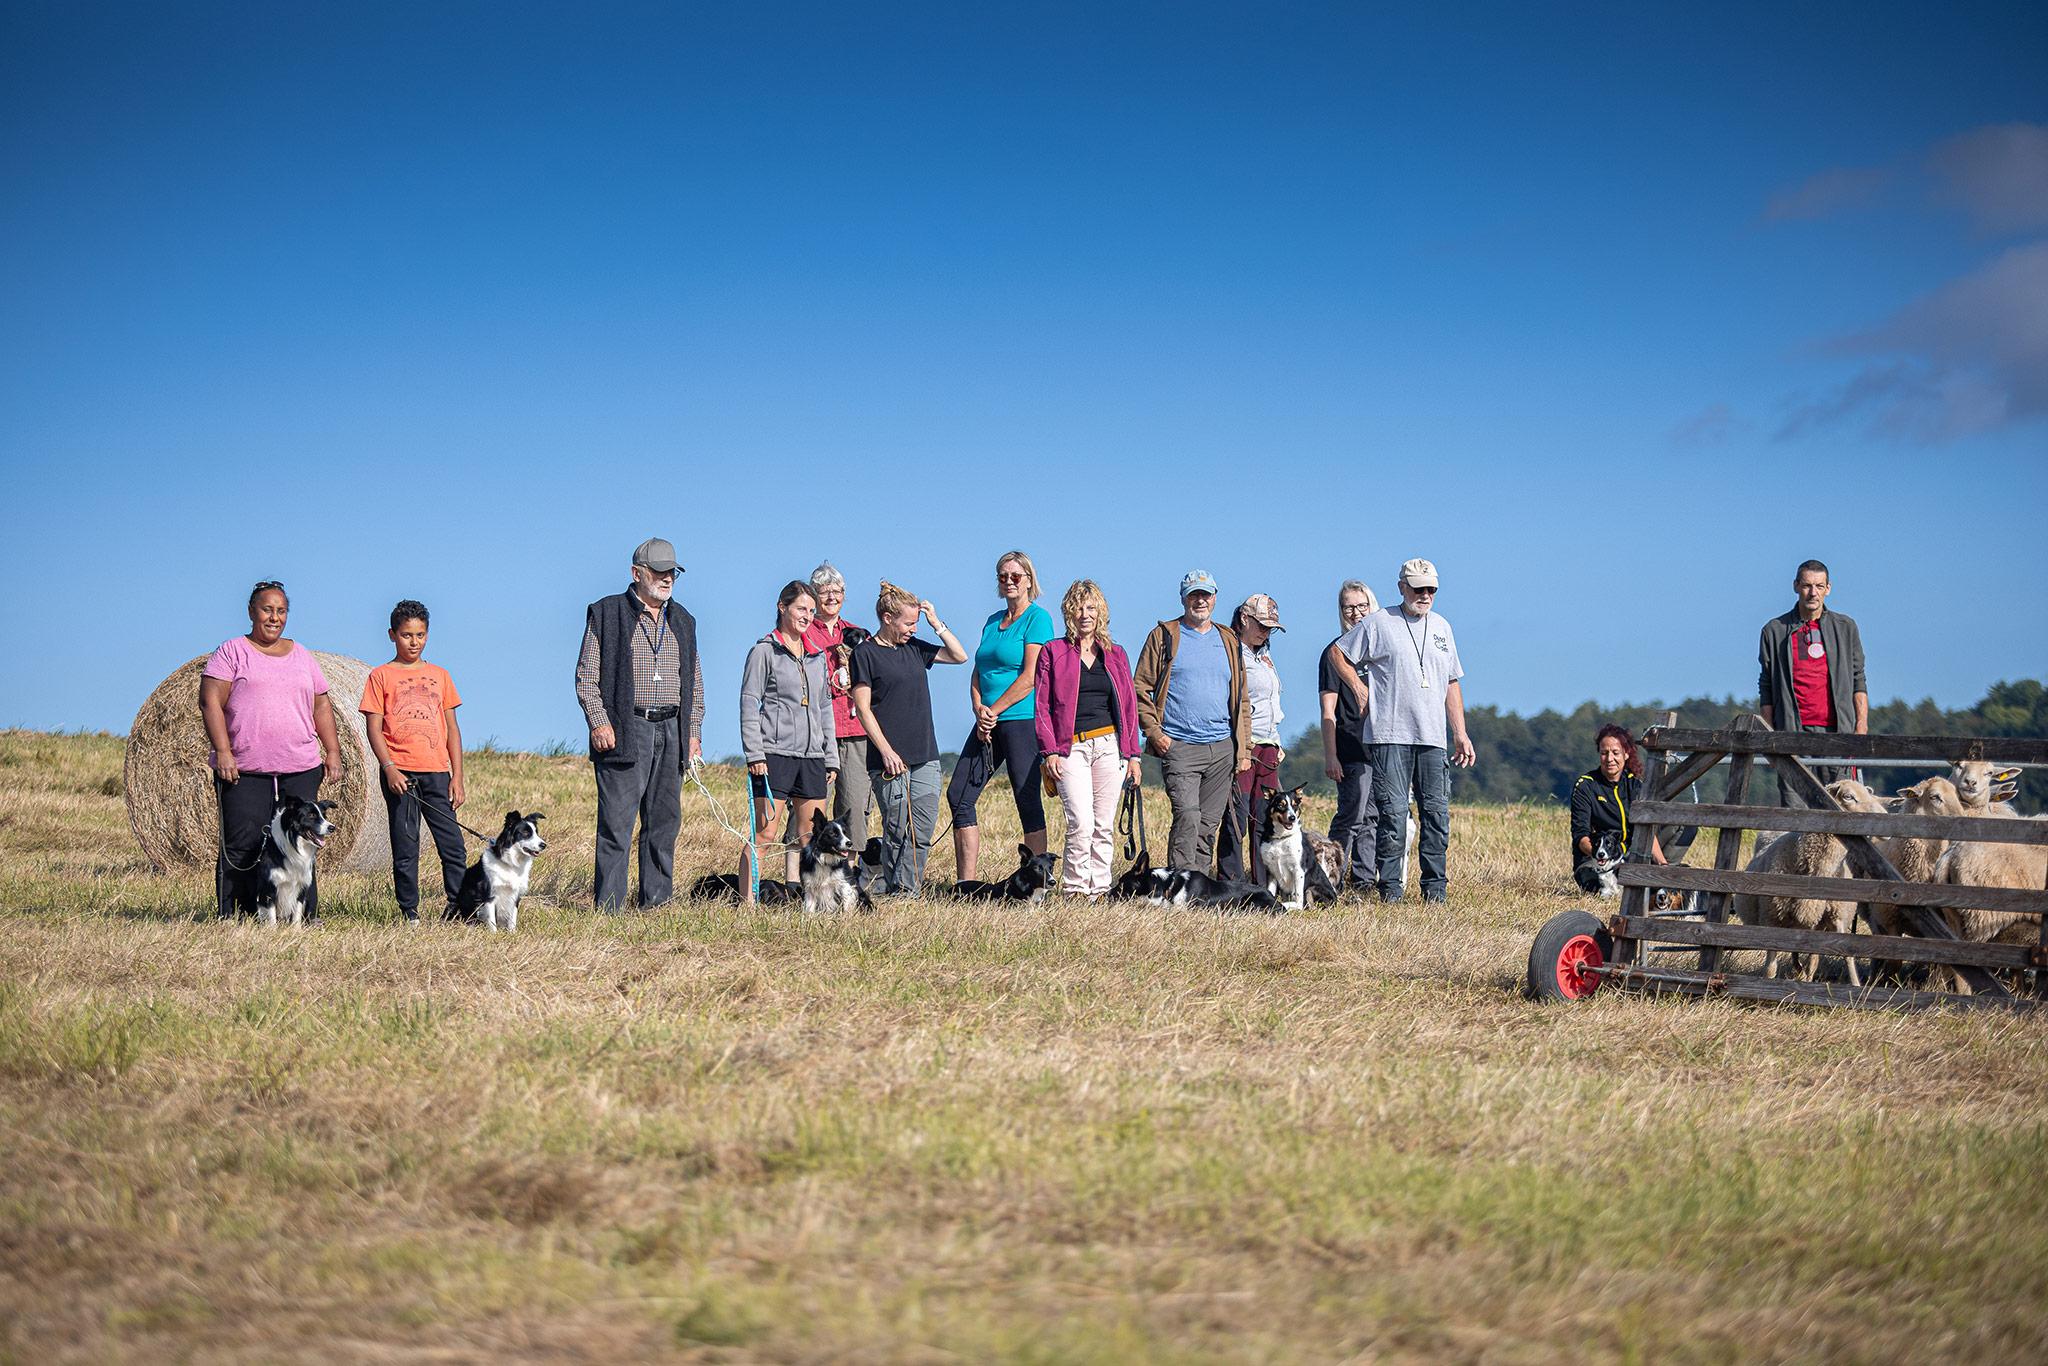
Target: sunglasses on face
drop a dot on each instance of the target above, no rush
(1010, 578)
(1422, 592)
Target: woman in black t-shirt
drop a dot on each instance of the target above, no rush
(1601, 800)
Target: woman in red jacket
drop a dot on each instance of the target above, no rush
(1088, 733)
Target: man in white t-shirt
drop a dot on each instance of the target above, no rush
(1415, 710)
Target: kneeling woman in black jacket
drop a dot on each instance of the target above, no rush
(1601, 800)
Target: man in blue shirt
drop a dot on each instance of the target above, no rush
(1196, 717)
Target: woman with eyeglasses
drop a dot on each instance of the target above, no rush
(1347, 761)
(264, 703)
(1003, 691)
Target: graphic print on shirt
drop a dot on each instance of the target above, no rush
(415, 713)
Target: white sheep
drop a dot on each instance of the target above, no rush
(1916, 858)
(1809, 854)
(1972, 863)
(1979, 784)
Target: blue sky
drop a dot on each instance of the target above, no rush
(1616, 316)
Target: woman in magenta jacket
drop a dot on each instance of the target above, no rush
(1088, 733)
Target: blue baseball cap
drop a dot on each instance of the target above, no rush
(1197, 581)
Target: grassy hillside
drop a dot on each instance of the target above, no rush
(940, 1133)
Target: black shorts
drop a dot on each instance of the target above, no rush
(802, 779)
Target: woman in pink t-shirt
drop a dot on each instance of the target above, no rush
(264, 702)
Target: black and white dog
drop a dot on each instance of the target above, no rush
(1595, 873)
(494, 883)
(829, 869)
(284, 868)
(1295, 865)
(1186, 887)
(1031, 881)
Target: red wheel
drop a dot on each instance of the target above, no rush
(1563, 959)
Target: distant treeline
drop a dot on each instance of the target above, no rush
(1538, 757)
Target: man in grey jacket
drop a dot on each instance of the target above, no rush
(1810, 667)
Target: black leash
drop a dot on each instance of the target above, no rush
(412, 790)
(1130, 823)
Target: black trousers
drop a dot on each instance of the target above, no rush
(426, 794)
(651, 789)
(246, 807)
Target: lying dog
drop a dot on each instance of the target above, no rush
(829, 869)
(494, 883)
(1186, 887)
(1030, 883)
(731, 887)
(284, 867)
(1595, 873)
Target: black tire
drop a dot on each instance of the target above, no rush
(1568, 942)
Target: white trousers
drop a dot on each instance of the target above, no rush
(1090, 782)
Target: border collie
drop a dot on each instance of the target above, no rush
(1186, 887)
(494, 883)
(829, 869)
(1298, 862)
(1030, 883)
(733, 887)
(1596, 874)
(284, 868)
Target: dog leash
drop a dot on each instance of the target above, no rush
(258, 856)
(1130, 823)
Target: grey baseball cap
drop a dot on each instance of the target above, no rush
(658, 555)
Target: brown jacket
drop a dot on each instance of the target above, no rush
(1155, 672)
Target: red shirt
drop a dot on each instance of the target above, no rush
(1810, 677)
(817, 636)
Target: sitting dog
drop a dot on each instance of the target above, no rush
(284, 867)
(1297, 861)
(1328, 868)
(494, 883)
(829, 869)
(1281, 850)
(1595, 873)
(1030, 883)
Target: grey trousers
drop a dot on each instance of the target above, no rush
(652, 790)
(1357, 823)
(854, 790)
(910, 815)
(1199, 784)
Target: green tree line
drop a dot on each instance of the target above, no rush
(1531, 758)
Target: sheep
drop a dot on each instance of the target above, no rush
(1979, 784)
(1970, 863)
(1810, 854)
(1915, 858)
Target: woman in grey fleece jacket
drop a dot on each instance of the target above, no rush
(786, 729)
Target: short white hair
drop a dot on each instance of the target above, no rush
(825, 576)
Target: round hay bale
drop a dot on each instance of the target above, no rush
(169, 784)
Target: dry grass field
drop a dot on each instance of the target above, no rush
(941, 1133)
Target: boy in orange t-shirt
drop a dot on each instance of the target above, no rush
(409, 711)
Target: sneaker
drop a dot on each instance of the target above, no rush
(412, 917)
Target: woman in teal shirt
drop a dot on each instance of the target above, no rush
(1003, 691)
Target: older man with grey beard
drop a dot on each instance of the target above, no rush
(1408, 661)
(641, 687)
